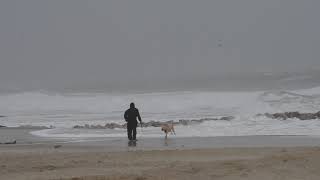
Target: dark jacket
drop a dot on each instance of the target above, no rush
(131, 116)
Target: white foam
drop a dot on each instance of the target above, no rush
(254, 126)
(65, 111)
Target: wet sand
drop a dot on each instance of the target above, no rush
(24, 138)
(225, 158)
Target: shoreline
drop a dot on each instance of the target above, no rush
(25, 139)
(221, 158)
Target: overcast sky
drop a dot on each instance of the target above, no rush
(47, 43)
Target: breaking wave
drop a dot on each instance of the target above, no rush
(195, 113)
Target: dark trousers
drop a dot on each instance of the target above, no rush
(132, 131)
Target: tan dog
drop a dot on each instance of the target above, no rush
(166, 128)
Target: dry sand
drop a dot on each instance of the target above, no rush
(63, 163)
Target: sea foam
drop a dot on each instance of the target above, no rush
(64, 111)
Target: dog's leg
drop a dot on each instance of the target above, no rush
(174, 132)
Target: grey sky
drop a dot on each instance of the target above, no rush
(45, 43)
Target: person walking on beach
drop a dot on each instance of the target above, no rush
(131, 116)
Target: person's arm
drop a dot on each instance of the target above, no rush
(126, 116)
(139, 117)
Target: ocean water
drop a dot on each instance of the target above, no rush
(63, 111)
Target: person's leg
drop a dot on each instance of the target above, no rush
(134, 130)
(129, 131)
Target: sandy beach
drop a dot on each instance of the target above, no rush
(252, 157)
(223, 163)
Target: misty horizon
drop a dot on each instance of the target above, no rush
(80, 45)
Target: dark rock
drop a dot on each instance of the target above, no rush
(183, 122)
(10, 142)
(290, 115)
(227, 118)
(154, 123)
(279, 116)
(77, 127)
(2, 126)
(307, 116)
(113, 126)
(57, 146)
